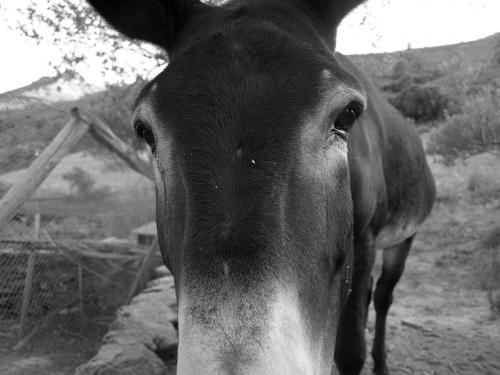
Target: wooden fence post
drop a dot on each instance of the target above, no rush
(80, 292)
(28, 280)
(24, 188)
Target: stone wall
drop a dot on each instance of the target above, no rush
(143, 338)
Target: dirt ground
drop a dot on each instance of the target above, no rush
(440, 322)
(58, 353)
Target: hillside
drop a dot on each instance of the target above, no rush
(65, 86)
(31, 116)
(466, 58)
(26, 130)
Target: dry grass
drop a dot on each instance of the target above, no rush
(96, 202)
(98, 215)
(490, 272)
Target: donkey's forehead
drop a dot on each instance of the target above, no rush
(248, 59)
(324, 91)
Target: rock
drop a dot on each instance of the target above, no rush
(161, 271)
(115, 359)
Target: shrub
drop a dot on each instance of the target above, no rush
(475, 130)
(415, 90)
(492, 240)
(492, 278)
(400, 69)
(476, 181)
(80, 181)
(15, 156)
(421, 103)
(495, 60)
(409, 64)
(4, 187)
(409, 71)
(113, 108)
(486, 264)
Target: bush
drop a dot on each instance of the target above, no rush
(113, 108)
(410, 70)
(495, 60)
(486, 270)
(421, 103)
(486, 261)
(484, 189)
(400, 69)
(409, 64)
(476, 182)
(4, 187)
(415, 91)
(492, 240)
(80, 181)
(492, 278)
(474, 131)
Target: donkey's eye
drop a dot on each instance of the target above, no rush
(346, 119)
(145, 132)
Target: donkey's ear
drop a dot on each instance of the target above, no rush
(330, 13)
(155, 21)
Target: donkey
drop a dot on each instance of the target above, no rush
(279, 169)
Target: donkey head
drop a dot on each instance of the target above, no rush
(248, 128)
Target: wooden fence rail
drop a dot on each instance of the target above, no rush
(105, 136)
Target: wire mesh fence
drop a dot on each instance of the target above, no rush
(12, 283)
(36, 282)
(69, 257)
(53, 287)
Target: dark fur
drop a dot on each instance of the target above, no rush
(230, 107)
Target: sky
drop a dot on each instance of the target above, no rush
(378, 26)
